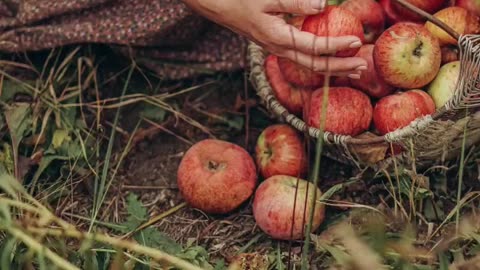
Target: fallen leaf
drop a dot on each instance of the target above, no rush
(369, 153)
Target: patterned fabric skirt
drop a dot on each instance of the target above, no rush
(163, 35)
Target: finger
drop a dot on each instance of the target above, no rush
(327, 63)
(302, 7)
(289, 37)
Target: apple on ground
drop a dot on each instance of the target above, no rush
(443, 86)
(400, 109)
(470, 5)
(430, 6)
(459, 19)
(371, 14)
(449, 54)
(216, 176)
(349, 111)
(369, 81)
(335, 21)
(407, 56)
(291, 97)
(279, 207)
(280, 151)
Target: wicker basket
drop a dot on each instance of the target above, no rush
(427, 141)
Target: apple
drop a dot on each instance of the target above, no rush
(369, 81)
(371, 14)
(216, 176)
(391, 16)
(282, 207)
(349, 111)
(444, 85)
(470, 5)
(449, 54)
(291, 97)
(400, 109)
(407, 56)
(459, 19)
(299, 75)
(341, 81)
(335, 21)
(280, 150)
(430, 6)
(296, 20)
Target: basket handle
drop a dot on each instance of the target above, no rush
(431, 18)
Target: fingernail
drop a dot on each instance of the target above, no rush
(354, 76)
(318, 4)
(361, 68)
(356, 44)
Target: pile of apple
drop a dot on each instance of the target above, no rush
(412, 67)
(217, 176)
(412, 70)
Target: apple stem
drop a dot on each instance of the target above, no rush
(431, 18)
(212, 165)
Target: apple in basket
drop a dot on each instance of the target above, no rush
(369, 81)
(279, 207)
(443, 86)
(371, 14)
(349, 111)
(280, 151)
(459, 19)
(333, 21)
(216, 176)
(400, 109)
(291, 97)
(407, 55)
(470, 5)
(391, 15)
(430, 6)
(450, 53)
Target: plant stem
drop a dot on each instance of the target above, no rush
(156, 254)
(316, 172)
(39, 248)
(460, 174)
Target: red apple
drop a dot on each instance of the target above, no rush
(216, 176)
(341, 82)
(391, 16)
(369, 81)
(296, 20)
(430, 6)
(459, 19)
(349, 111)
(449, 54)
(407, 56)
(280, 150)
(335, 21)
(471, 5)
(299, 75)
(371, 14)
(279, 207)
(291, 97)
(400, 109)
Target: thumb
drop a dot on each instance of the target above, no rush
(301, 7)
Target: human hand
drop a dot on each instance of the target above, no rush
(261, 21)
